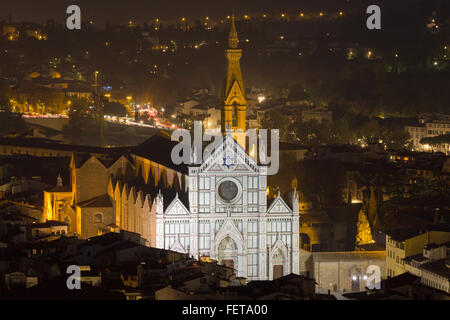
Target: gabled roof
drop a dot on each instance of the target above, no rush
(49, 224)
(230, 147)
(174, 203)
(438, 267)
(158, 149)
(43, 143)
(170, 194)
(79, 159)
(102, 201)
(57, 189)
(402, 234)
(403, 279)
(282, 206)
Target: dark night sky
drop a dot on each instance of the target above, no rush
(145, 10)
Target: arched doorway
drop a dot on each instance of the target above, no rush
(355, 277)
(228, 252)
(278, 264)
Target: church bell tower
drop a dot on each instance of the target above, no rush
(234, 103)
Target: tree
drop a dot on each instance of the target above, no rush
(276, 120)
(397, 138)
(115, 109)
(324, 179)
(11, 122)
(308, 132)
(371, 130)
(363, 230)
(372, 211)
(375, 208)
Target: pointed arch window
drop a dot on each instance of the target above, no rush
(67, 220)
(234, 115)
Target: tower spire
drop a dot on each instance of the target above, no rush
(234, 103)
(233, 39)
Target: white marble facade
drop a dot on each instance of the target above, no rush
(229, 218)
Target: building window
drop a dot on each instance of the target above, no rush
(169, 242)
(204, 242)
(252, 265)
(204, 201)
(67, 220)
(174, 229)
(252, 197)
(204, 198)
(204, 227)
(286, 238)
(204, 235)
(283, 227)
(98, 218)
(279, 226)
(253, 182)
(252, 236)
(204, 183)
(219, 224)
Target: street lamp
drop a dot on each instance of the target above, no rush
(96, 80)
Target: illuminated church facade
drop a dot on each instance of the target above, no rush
(218, 209)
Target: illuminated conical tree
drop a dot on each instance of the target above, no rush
(363, 231)
(372, 206)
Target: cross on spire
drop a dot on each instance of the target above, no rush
(233, 39)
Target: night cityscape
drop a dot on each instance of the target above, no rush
(236, 150)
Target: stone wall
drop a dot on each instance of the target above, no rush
(344, 271)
